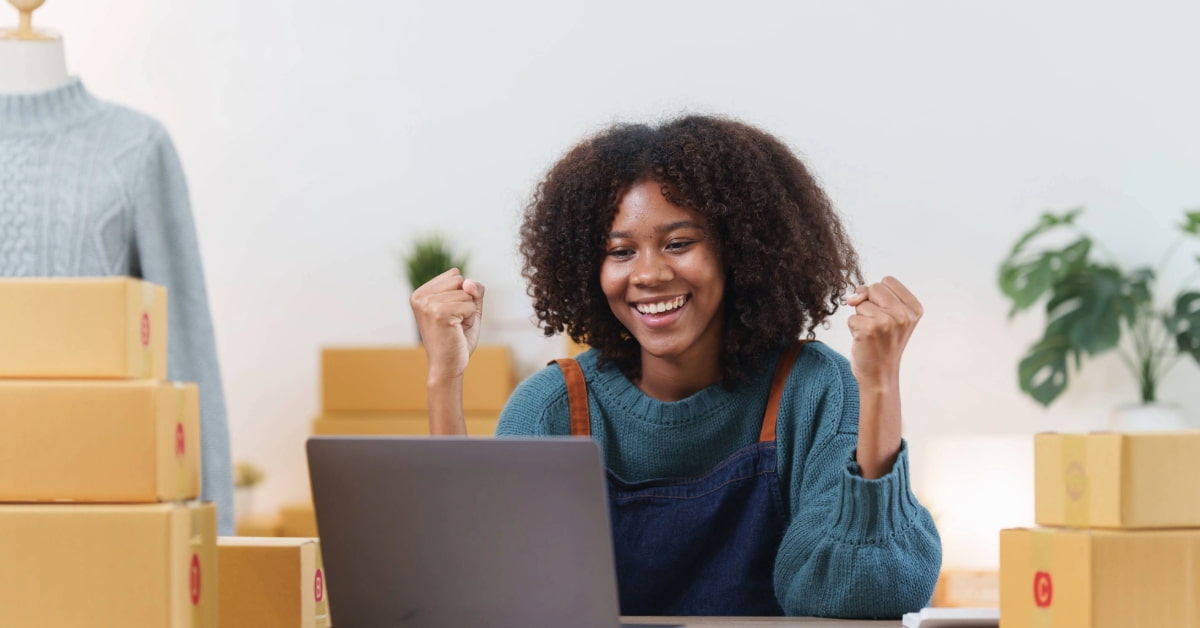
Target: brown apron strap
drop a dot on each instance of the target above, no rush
(577, 401)
(782, 369)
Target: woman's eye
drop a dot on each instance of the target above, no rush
(679, 245)
(620, 253)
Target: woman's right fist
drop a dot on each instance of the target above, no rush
(448, 309)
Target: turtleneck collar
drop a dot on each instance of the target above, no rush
(42, 111)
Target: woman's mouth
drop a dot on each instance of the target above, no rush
(661, 307)
(661, 313)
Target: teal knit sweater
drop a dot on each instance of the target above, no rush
(853, 547)
(89, 188)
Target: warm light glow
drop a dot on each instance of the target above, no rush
(975, 485)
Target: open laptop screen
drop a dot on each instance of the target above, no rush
(420, 531)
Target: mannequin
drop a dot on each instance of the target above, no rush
(30, 61)
(90, 188)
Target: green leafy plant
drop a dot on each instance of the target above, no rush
(430, 257)
(246, 474)
(1093, 304)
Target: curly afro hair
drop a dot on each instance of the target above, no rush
(787, 257)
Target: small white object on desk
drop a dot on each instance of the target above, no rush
(953, 618)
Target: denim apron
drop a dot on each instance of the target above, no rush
(703, 545)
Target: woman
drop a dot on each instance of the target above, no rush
(749, 473)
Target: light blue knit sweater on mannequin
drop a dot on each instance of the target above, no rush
(89, 188)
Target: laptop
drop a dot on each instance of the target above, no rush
(464, 532)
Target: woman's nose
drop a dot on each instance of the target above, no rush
(651, 269)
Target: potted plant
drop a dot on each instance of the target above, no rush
(246, 475)
(430, 256)
(1093, 306)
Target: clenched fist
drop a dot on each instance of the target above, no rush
(885, 315)
(449, 310)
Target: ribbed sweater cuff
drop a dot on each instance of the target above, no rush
(872, 511)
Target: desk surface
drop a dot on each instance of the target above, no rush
(761, 622)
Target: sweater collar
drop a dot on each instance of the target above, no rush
(63, 105)
(712, 402)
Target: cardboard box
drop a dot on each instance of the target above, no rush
(393, 380)
(298, 520)
(109, 566)
(98, 441)
(1117, 480)
(967, 589)
(112, 327)
(259, 526)
(574, 348)
(395, 424)
(272, 583)
(1067, 578)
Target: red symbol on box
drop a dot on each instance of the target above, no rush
(319, 586)
(145, 329)
(1043, 589)
(180, 443)
(194, 579)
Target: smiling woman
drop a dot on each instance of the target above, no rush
(750, 472)
(664, 281)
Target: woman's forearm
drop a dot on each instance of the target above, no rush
(878, 430)
(445, 397)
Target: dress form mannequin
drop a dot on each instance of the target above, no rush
(90, 188)
(30, 61)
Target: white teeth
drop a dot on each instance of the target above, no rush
(659, 308)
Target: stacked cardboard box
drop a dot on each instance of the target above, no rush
(99, 462)
(272, 583)
(574, 348)
(1119, 542)
(967, 588)
(381, 391)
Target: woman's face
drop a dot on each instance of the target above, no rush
(663, 277)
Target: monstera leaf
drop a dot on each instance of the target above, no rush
(1045, 223)
(1191, 222)
(1087, 307)
(1084, 313)
(1025, 277)
(1043, 371)
(1140, 287)
(1185, 324)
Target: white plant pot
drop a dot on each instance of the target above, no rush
(1147, 417)
(243, 503)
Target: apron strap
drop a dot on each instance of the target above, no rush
(778, 382)
(577, 401)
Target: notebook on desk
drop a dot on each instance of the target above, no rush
(453, 532)
(953, 618)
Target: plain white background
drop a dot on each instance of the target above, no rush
(319, 138)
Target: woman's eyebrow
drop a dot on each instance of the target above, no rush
(682, 224)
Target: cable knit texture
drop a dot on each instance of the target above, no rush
(89, 188)
(853, 547)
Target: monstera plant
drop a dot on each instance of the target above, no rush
(1093, 306)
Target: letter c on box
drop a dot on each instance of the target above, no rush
(1043, 589)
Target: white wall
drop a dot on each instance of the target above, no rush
(319, 137)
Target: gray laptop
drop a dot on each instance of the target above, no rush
(464, 532)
